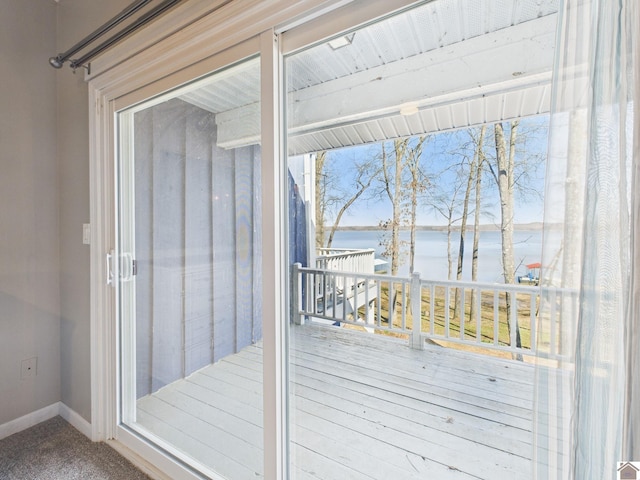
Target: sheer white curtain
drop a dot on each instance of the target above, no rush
(587, 387)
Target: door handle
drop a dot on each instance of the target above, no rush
(128, 267)
(109, 267)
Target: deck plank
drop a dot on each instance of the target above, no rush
(364, 407)
(455, 401)
(201, 449)
(387, 462)
(447, 424)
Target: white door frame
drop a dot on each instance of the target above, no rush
(106, 350)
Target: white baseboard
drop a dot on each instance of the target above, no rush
(29, 420)
(76, 420)
(46, 413)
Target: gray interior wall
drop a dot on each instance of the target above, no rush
(197, 287)
(76, 19)
(29, 223)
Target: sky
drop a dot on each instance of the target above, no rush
(441, 154)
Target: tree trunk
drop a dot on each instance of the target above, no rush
(476, 220)
(459, 309)
(399, 147)
(417, 186)
(320, 197)
(393, 188)
(414, 208)
(449, 258)
(505, 163)
(463, 224)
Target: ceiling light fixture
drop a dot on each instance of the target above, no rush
(342, 41)
(407, 109)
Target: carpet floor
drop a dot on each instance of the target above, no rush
(55, 450)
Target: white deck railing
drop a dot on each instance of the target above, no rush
(346, 259)
(467, 313)
(342, 259)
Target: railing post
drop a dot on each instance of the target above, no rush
(416, 312)
(296, 294)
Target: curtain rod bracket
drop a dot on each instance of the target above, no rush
(74, 65)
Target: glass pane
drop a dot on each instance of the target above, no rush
(190, 272)
(414, 298)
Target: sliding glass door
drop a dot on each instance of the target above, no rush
(189, 270)
(398, 368)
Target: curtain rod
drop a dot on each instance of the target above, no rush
(59, 59)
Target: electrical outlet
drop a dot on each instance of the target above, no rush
(29, 368)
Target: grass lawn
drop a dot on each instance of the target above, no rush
(469, 319)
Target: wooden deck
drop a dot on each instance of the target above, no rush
(363, 407)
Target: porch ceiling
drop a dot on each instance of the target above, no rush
(454, 63)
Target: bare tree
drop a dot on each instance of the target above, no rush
(504, 174)
(479, 140)
(335, 195)
(446, 203)
(320, 197)
(392, 172)
(452, 189)
(478, 191)
(465, 214)
(402, 191)
(417, 186)
(457, 308)
(448, 179)
(404, 181)
(366, 173)
(505, 179)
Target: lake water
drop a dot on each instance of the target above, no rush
(431, 251)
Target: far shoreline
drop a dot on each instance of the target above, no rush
(533, 226)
